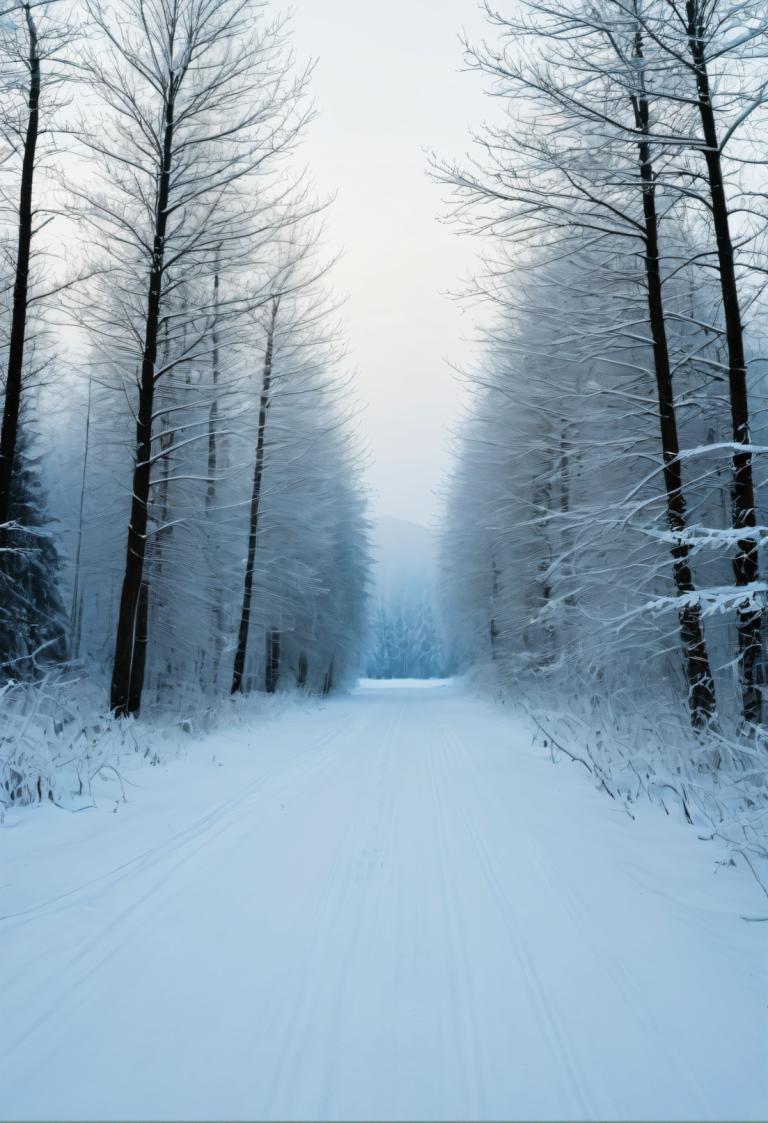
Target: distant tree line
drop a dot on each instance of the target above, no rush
(406, 641)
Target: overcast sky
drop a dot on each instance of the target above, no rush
(387, 85)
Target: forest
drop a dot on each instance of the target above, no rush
(181, 517)
(612, 570)
(384, 559)
(183, 503)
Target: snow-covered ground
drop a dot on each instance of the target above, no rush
(389, 906)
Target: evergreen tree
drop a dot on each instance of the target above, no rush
(406, 642)
(32, 616)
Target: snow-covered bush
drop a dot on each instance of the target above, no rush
(59, 744)
(646, 752)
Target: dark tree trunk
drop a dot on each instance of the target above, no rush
(303, 671)
(566, 532)
(258, 472)
(157, 549)
(76, 614)
(213, 413)
(745, 563)
(701, 685)
(494, 627)
(210, 493)
(140, 643)
(328, 678)
(543, 500)
(9, 432)
(272, 665)
(165, 440)
(77, 627)
(127, 682)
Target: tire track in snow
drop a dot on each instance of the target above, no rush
(578, 922)
(143, 861)
(464, 1012)
(83, 965)
(364, 885)
(548, 1017)
(332, 913)
(324, 988)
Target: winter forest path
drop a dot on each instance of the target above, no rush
(402, 910)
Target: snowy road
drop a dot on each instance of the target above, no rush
(398, 908)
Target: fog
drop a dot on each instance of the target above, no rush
(388, 85)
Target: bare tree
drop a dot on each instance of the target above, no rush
(590, 166)
(33, 50)
(705, 26)
(200, 100)
(303, 544)
(32, 57)
(255, 505)
(15, 365)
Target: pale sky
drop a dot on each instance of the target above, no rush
(387, 85)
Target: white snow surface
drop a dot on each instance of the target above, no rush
(388, 906)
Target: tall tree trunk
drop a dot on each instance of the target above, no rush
(328, 677)
(566, 530)
(701, 685)
(745, 563)
(542, 499)
(156, 549)
(258, 472)
(76, 614)
(303, 671)
(140, 644)
(494, 627)
(272, 665)
(210, 493)
(127, 685)
(13, 383)
(213, 413)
